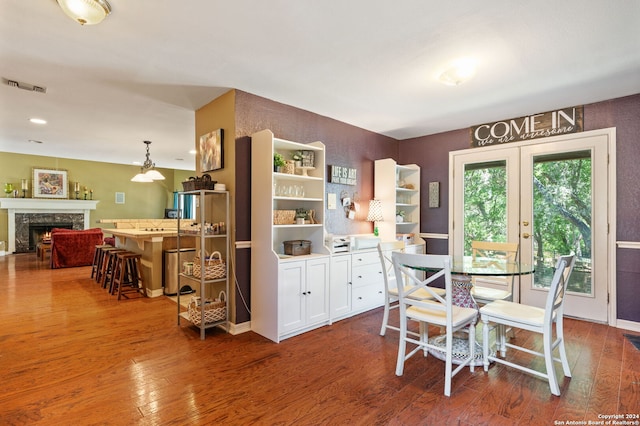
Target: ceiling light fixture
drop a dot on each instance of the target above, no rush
(85, 12)
(148, 173)
(461, 71)
(38, 121)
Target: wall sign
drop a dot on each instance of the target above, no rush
(343, 175)
(552, 123)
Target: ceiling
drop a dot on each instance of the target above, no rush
(141, 73)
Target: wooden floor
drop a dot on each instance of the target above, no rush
(73, 355)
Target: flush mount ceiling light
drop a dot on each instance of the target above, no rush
(85, 12)
(148, 173)
(461, 70)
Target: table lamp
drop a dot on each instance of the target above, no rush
(375, 214)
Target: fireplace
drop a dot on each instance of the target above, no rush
(26, 212)
(30, 227)
(39, 232)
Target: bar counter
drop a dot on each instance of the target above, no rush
(151, 244)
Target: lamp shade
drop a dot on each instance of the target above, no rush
(375, 211)
(153, 174)
(141, 177)
(85, 12)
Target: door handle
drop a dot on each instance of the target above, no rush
(525, 223)
(525, 235)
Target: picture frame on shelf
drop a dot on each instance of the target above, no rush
(212, 151)
(50, 183)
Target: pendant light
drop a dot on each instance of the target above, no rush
(148, 173)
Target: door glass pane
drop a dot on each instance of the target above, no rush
(562, 193)
(485, 203)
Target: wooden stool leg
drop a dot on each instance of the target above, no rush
(130, 278)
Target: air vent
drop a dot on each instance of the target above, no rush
(24, 86)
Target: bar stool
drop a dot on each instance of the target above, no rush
(128, 274)
(108, 267)
(97, 259)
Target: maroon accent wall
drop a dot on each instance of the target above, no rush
(346, 145)
(354, 147)
(431, 153)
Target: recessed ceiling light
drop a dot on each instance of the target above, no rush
(193, 152)
(460, 71)
(38, 121)
(137, 163)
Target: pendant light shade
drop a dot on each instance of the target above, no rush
(141, 177)
(154, 175)
(85, 12)
(148, 173)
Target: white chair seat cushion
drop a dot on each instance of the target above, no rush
(489, 294)
(514, 312)
(439, 317)
(420, 294)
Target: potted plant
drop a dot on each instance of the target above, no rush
(399, 216)
(301, 216)
(278, 161)
(297, 157)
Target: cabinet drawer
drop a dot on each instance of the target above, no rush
(367, 297)
(366, 274)
(367, 258)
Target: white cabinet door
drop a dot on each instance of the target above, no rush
(340, 286)
(317, 290)
(291, 300)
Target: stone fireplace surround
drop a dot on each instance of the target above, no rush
(22, 211)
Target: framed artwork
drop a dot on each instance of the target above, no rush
(50, 183)
(212, 151)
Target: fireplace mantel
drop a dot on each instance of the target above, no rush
(43, 205)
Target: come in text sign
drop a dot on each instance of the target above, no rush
(546, 124)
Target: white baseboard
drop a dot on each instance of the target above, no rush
(239, 328)
(628, 325)
(155, 293)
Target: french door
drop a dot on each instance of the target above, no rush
(552, 198)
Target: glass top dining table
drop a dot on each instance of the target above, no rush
(462, 269)
(466, 265)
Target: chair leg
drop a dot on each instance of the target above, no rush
(472, 346)
(486, 344)
(424, 336)
(385, 316)
(561, 349)
(448, 364)
(548, 360)
(402, 344)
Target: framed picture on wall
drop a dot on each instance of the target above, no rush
(50, 183)
(212, 151)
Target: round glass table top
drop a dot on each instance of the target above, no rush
(466, 265)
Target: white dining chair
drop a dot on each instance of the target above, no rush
(500, 314)
(488, 289)
(438, 310)
(385, 248)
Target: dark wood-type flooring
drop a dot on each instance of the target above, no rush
(73, 355)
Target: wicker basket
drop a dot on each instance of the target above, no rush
(284, 217)
(289, 167)
(197, 183)
(214, 310)
(214, 267)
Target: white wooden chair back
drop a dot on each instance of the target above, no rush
(488, 289)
